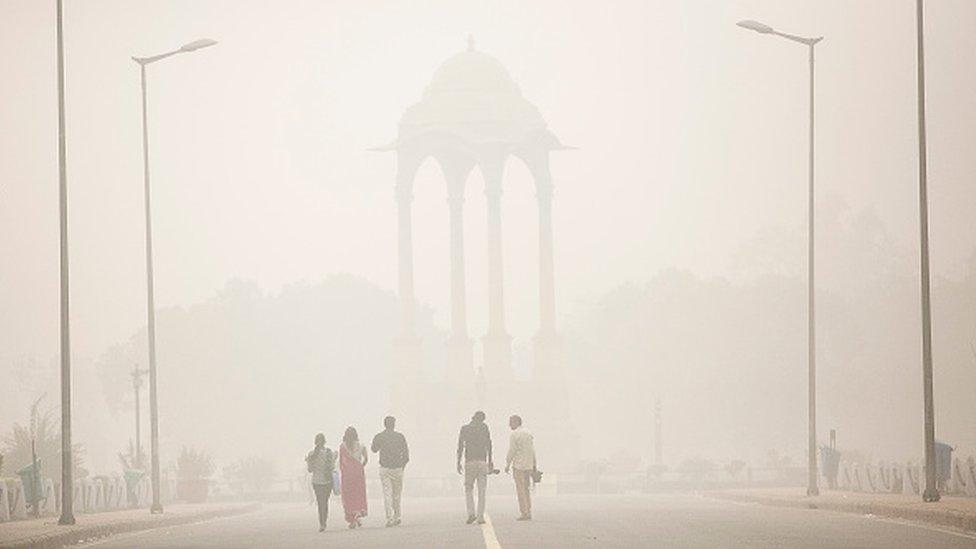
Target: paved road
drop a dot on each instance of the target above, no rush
(560, 521)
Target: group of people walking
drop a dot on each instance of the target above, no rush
(350, 479)
(474, 461)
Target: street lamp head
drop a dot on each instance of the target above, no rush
(755, 26)
(197, 44)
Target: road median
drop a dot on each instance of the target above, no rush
(44, 533)
(958, 513)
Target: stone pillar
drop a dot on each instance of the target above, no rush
(460, 348)
(497, 342)
(547, 291)
(547, 352)
(406, 347)
(549, 383)
(405, 260)
(459, 320)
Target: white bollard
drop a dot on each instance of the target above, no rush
(89, 495)
(103, 493)
(108, 486)
(957, 483)
(49, 506)
(78, 496)
(143, 492)
(969, 473)
(98, 498)
(117, 493)
(4, 502)
(123, 497)
(18, 507)
(874, 484)
(859, 480)
(884, 478)
(906, 479)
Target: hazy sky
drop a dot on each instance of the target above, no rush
(691, 135)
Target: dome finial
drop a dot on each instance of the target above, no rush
(470, 43)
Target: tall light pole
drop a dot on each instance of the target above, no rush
(156, 507)
(137, 388)
(931, 490)
(67, 483)
(812, 489)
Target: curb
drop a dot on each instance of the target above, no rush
(71, 536)
(948, 518)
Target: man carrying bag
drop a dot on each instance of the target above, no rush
(521, 462)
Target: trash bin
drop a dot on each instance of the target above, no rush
(32, 483)
(943, 462)
(132, 478)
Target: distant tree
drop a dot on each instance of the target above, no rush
(130, 459)
(775, 460)
(17, 448)
(252, 474)
(624, 460)
(697, 469)
(279, 355)
(734, 467)
(194, 465)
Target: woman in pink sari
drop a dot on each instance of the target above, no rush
(352, 463)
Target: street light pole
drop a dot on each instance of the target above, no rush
(67, 483)
(812, 487)
(157, 506)
(931, 490)
(137, 388)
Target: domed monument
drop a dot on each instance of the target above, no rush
(473, 115)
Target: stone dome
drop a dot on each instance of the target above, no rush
(472, 101)
(469, 72)
(473, 98)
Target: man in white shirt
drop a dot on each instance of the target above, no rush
(521, 461)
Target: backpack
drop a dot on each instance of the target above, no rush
(329, 462)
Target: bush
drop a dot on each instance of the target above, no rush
(251, 474)
(17, 448)
(194, 465)
(193, 470)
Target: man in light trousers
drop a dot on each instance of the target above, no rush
(521, 461)
(474, 446)
(394, 456)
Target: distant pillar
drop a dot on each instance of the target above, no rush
(547, 348)
(547, 289)
(460, 347)
(405, 263)
(549, 382)
(407, 349)
(459, 321)
(497, 342)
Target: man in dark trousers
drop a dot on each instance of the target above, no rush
(474, 446)
(394, 455)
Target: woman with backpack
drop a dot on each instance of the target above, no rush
(321, 463)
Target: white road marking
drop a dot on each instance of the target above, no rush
(111, 538)
(491, 542)
(930, 527)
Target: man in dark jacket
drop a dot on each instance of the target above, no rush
(474, 446)
(394, 455)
